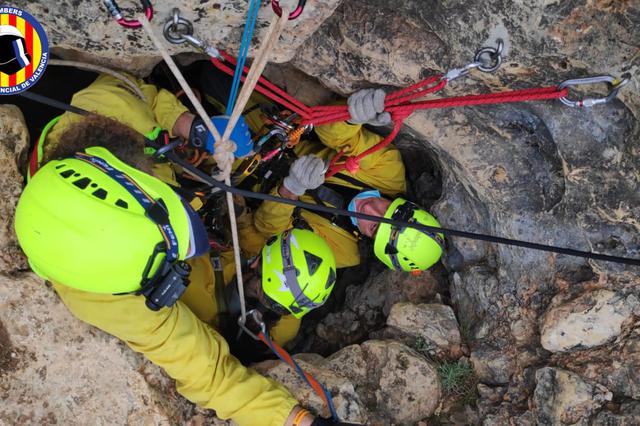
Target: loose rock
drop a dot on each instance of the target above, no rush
(562, 397)
(588, 321)
(435, 324)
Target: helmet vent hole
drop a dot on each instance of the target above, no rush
(82, 183)
(100, 193)
(330, 280)
(67, 173)
(405, 258)
(76, 174)
(94, 185)
(313, 262)
(59, 166)
(122, 203)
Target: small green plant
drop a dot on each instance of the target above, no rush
(425, 347)
(458, 379)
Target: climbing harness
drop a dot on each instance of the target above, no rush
(115, 11)
(263, 335)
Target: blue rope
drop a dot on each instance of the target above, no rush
(247, 35)
(327, 394)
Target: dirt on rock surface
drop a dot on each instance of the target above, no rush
(542, 338)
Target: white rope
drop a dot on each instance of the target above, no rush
(207, 121)
(100, 69)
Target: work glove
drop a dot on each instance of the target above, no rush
(367, 107)
(306, 173)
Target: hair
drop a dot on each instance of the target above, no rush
(95, 130)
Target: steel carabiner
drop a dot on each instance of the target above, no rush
(616, 85)
(115, 11)
(275, 5)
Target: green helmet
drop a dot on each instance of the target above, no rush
(408, 249)
(81, 228)
(298, 271)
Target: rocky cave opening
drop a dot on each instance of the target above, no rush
(494, 334)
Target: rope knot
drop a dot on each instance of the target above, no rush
(352, 164)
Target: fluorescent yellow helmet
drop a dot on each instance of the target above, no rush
(81, 228)
(408, 249)
(298, 271)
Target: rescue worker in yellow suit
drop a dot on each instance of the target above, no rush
(120, 247)
(370, 190)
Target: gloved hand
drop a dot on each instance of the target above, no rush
(367, 107)
(306, 173)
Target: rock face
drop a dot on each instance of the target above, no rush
(564, 398)
(56, 370)
(537, 171)
(434, 324)
(14, 143)
(85, 30)
(377, 382)
(591, 320)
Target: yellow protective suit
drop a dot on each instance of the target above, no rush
(178, 339)
(382, 170)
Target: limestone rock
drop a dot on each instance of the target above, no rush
(492, 366)
(562, 397)
(627, 415)
(435, 324)
(588, 321)
(14, 144)
(368, 305)
(393, 382)
(56, 369)
(83, 29)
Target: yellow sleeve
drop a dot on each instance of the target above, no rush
(189, 351)
(112, 98)
(383, 170)
(269, 219)
(285, 330)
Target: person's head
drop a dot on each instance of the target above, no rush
(90, 221)
(402, 249)
(297, 271)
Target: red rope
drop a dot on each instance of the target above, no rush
(400, 104)
(284, 356)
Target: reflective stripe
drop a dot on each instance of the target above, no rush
(145, 200)
(289, 270)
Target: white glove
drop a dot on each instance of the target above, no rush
(306, 173)
(367, 107)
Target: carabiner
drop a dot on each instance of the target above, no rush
(255, 315)
(616, 85)
(115, 11)
(275, 5)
